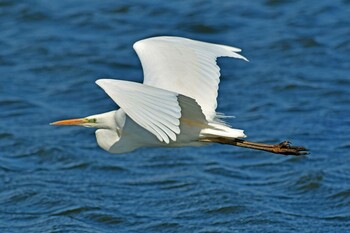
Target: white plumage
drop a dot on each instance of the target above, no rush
(184, 66)
(154, 109)
(175, 106)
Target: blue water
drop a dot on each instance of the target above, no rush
(295, 87)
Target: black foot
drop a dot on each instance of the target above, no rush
(286, 149)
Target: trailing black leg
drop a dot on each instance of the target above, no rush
(282, 148)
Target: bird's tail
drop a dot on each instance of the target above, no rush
(218, 129)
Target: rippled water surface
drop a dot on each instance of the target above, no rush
(296, 87)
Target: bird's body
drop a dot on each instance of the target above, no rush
(176, 104)
(127, 135)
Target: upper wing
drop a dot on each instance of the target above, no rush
(154, 109)
(184, 66)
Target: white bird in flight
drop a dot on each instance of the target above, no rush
(175, 106)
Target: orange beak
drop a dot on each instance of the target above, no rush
(77, 121)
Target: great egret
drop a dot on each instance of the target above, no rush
(175, 106)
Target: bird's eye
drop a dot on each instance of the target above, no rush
(93, 120)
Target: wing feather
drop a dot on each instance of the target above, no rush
(156, 110)
(184, 66)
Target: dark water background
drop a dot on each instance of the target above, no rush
(296, 87)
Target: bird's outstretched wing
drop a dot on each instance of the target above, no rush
(184, 66)
(154, 109)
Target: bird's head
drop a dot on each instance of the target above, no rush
(100, 121)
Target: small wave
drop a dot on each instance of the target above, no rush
(73, 210)
(105, 218)
(226, 209)
(114, 168)
(310, 181)
(6, 135)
